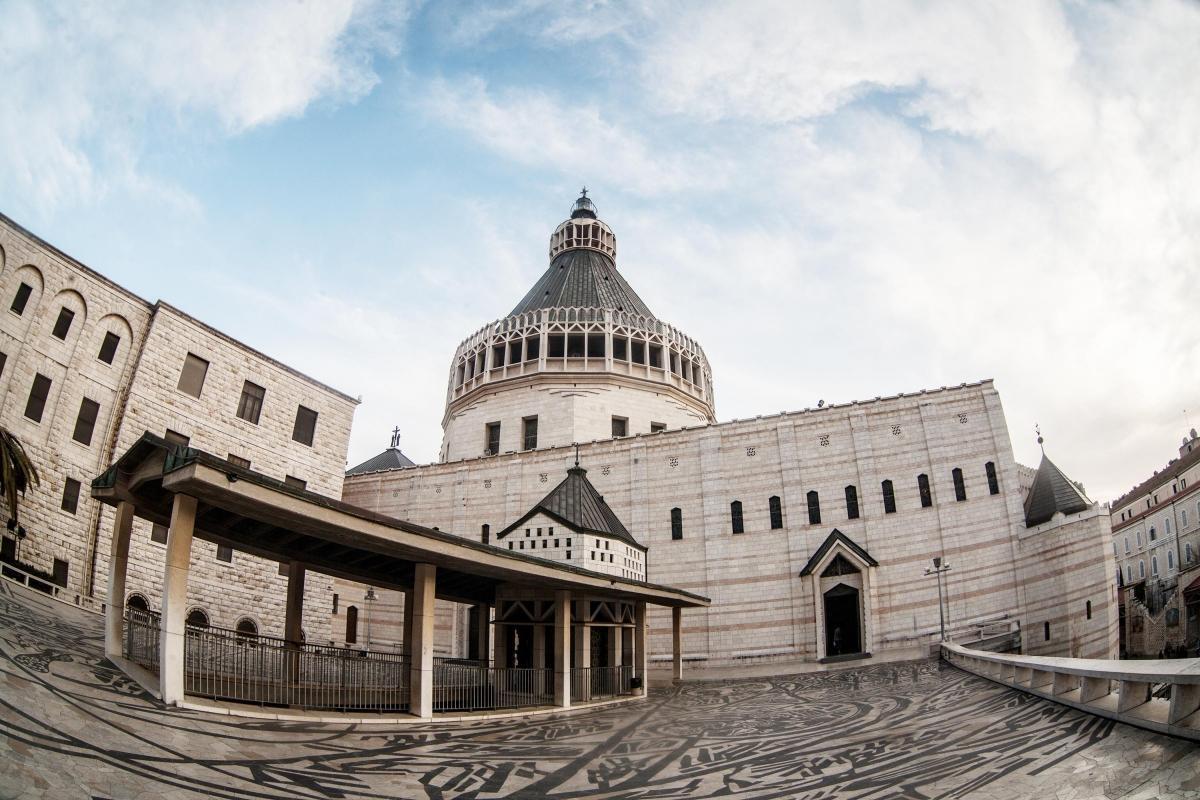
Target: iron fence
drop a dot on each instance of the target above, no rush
(600, 683)
(141, 638)
(462, 685)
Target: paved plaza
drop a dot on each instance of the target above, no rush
(72, 726)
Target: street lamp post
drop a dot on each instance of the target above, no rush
(938, 569)
(368, 598)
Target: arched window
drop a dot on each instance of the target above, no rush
(246, 628)
(1187, 552)
(1167, 526)
(676, 524)
(851, 502)
(814, 508)
(889, 498)
(197, 618)
(1129, 573)
(486, 533)
(1141, 568)
(1089, 609)
(993, 481)
(351, 624)
(1170, 559)
(923, 488)
(138, 603)
(735, 516)
(1153, 565)
(960, 488)
(776, 509)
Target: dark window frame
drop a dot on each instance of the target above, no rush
(529, 432)
(924, 490)
(188, 375)
(993, 480)
(676, 525)
(304, 429)
(62, 325)
(225, 553)
(814, 507)
(250, 403)
(775, 509)
(852, 511)
(736, 519)
(21, 299)
(108, 347)
(70, 496)
(39, 393)
(491, 438)
(889, 496)
(960, 486)
(85, 422)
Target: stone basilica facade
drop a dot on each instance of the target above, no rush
(580, 428)
(811, 531)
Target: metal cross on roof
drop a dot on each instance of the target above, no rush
(395, 437)
(583, 192)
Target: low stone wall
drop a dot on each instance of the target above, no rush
(1088, 685)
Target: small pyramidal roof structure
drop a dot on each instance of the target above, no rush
(392, 458)
(578, 505)
(1052, 492)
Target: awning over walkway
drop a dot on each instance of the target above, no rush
(255, 514)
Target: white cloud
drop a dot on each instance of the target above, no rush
(84, 80)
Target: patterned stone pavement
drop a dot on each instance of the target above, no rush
(71, 726)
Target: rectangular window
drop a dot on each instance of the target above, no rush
(1182, 512)
(655, 355)
(108, 348)
(176, 438)
(1046, 631)
(658, 427)
(923, 488)
(889, 498)
(61, 570)
(335, 602)
(85, 423)
(250, 405)
(293, 482)
(555, 345)
(70, 498)
(639, 351)
(191, 377)
(851, 502)
(993, 481)
(533, 347)
(620, 348)
(595, 345)
(620, 427)
(1089, 609)
(498, 355)
(676, 525)
(38, 392)
(305, 427)
(814, 509)
(224, 553)
(960, 488)
(62, 325)
(238, 461)
(514, 352)
(3, 361)
(735, 516)
(776, 509)
(21, 298)
(492, 438)
(575, 345)
(158, 533)
(529, 427)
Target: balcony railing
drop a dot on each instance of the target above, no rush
(141, 638)
(460, 685)
(600, 683)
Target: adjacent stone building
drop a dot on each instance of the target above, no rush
(87, 366)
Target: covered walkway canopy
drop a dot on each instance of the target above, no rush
(198, 494)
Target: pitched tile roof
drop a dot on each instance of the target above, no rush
(837, 537)
(1052, 492)
(576, 504)
(582, 278)
(391, 458)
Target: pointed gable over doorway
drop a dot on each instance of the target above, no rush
(847, 545)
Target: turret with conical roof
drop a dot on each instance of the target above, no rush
(1052, 493)
(603, 365)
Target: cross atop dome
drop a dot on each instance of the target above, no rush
(584, 207)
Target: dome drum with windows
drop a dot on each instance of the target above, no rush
(581, 351)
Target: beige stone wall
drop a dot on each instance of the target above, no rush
(760, 606)
(137, 393)
(1063, 566)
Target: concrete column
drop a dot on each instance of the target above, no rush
(174, 599)
(483, 613)
(118, 561)
(582, 676)
(562, 649)
(539, 646)
(500, 646)
(677, 643)
(421, 653)
(293, 619)
(641, 663)
(408, 622)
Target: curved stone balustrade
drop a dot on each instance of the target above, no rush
(1120, 690)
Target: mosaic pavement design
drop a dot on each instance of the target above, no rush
(73, 726)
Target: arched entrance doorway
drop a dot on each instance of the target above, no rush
(843, 621)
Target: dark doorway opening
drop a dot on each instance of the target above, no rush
(843, 621)
(520, 645)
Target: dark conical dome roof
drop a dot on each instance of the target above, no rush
(582, 279)
(1052, 492)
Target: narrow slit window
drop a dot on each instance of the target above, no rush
(735, 516)
(814, 508)
(676, 525)
(889, 498)
(529, 433)
(492, 438)
(776, 509)
(851, 502)
(960, 488)
(993, 481)
(923, 488)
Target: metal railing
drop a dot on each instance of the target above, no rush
(461, 685)
(223, 664)
(600, 683)
(39, 584)
(141, 638)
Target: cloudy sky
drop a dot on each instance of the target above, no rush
(838, 200)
